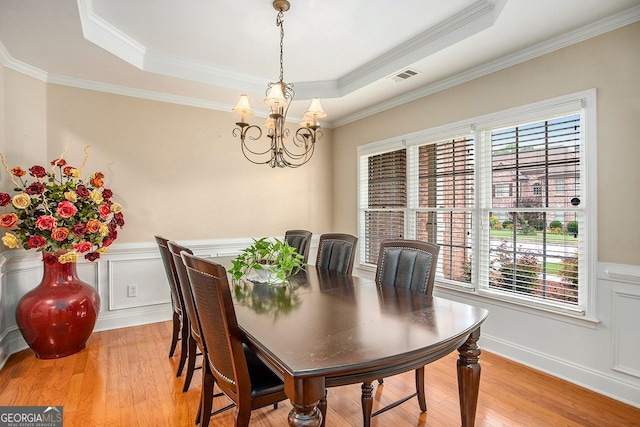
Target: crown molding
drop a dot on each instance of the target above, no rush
(477, 17)
(184, 68)
(137, 93)
(597, 28)
(108, 37)
(8, 61)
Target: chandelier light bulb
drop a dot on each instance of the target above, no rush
(243, 107)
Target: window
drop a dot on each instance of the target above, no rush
(537, 189)
(502, 190)
(504, 202)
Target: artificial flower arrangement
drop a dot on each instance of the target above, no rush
(59, 213)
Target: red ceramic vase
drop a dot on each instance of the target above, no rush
(57, 317)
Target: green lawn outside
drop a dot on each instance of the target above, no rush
(565, 239)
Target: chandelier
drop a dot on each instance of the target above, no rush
(279, 149)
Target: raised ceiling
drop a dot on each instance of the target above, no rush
(206, 53)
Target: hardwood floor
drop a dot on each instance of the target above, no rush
(124, 378)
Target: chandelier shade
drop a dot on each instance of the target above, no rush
(281, 147)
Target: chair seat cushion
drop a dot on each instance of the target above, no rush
(263, 380)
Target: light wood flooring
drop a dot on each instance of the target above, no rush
(124, 378)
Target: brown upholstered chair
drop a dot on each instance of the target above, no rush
(408, 264)
(336, 252)
(229, 363)
(180, 319)
(194, 337)
(301, 240)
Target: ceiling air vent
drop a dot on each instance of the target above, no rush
(404, 75)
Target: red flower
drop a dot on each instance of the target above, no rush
(79, 230)
(119, 219)
(105, 211)
(66, 209)
(83, 192)
(59, 162)
(92, 256)
(36, 242)
(38, 171)
(83, 246)
(35, 188)
(46, 222)
(107, 194)
(49, 258)
(8, 220)
(5, 199)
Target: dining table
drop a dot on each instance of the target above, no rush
(322, 329)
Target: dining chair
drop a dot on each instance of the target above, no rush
(336, 252)
(180, 319)
(194, 337)
(227, 362)
(300, 240)
(408, 264)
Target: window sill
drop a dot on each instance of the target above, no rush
(574, 317)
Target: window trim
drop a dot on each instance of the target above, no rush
(585, 101)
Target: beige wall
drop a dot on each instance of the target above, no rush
(25, 123)
(610, 63)
(176, 170)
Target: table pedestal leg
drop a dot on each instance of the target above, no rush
(469, 378)
(304, 416)
(367, 403)
(304, 395)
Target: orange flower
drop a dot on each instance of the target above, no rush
(18, 171)
(8, 220)
(93, 226)
(96, 179)
(59, 234)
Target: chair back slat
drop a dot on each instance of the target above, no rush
(336, 252)
(300, 240)
(407, 264)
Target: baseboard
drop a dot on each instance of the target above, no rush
(160, 313)
(598, 382)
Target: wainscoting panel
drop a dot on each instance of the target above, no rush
(148, 277)
(626, 341)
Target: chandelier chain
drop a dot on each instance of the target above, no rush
(280, 23)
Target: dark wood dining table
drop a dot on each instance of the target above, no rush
(324, 329)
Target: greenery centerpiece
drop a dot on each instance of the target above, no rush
(272, 259)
